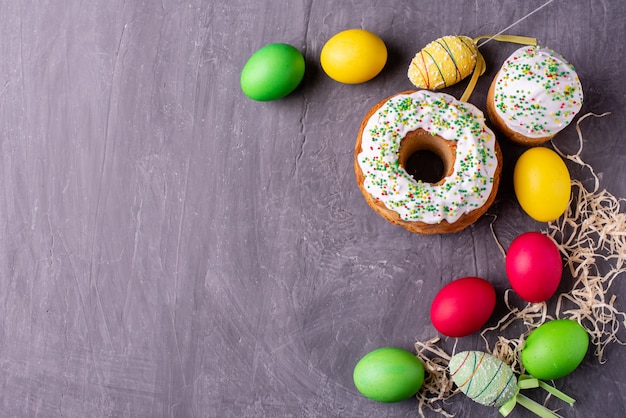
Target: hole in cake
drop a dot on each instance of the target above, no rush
(425, 157)
(424, 166)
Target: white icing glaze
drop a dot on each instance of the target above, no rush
(537, 92)
(467, 189)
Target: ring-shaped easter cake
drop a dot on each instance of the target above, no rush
(410, 122)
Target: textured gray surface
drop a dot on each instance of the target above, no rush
(169, 247)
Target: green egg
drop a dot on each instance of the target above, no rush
(555, 349)
(388, 375)
(272, 72)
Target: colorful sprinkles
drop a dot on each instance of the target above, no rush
(470, 185)
(537, 92)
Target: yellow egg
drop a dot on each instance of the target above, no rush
(353, 56)
(542, 184)
(443, 62)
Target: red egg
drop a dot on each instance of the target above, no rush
(463, 306)
(534, 266)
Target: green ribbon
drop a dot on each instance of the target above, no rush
(528, 382)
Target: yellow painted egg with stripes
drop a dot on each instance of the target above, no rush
(443, 62)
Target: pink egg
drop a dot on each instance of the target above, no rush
(463, 306)
(534, 266)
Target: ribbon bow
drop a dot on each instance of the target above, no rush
(527, 382)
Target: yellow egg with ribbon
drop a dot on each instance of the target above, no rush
(443, 62)
(448, 60)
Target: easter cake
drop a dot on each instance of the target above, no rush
(402, 126)
(535, 95)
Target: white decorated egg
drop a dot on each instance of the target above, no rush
(483, 378)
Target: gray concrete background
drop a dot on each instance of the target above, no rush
(170, 248)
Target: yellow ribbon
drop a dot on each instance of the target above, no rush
(523, 40)
(480, 61)
(478, 71)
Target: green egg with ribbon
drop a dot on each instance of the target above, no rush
(489, 381)
(483, 378)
